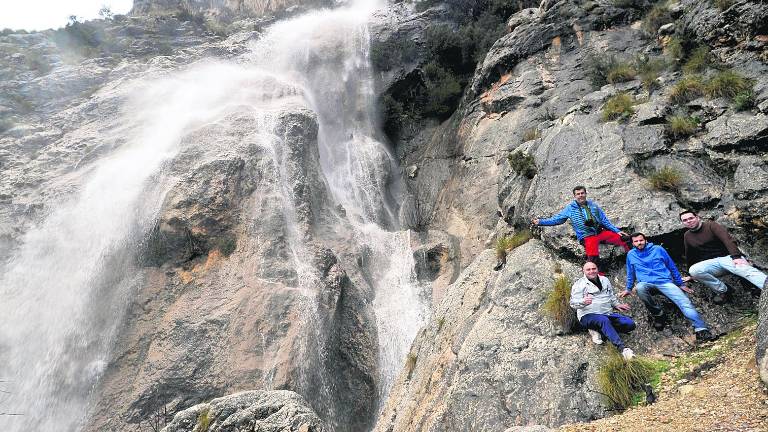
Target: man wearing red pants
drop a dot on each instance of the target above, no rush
(589, 223)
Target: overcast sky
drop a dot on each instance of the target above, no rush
(45, 14)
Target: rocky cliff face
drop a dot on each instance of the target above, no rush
(247, 275)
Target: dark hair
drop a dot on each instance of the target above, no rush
(680, 215)
(578, 188)
(637, 234)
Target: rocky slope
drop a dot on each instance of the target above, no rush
(219, 304)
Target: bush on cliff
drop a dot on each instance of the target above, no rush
(506, 243)
(558, 306)
(522, 163)
(620, 380)
(666, 179)
(619, 107)
(687, 89)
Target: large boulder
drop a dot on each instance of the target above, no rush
(267, 411)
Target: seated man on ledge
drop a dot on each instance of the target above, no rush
(711, 252)
(594, 300)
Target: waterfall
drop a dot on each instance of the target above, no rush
(67, 287)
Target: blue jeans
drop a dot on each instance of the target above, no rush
(671, 291)
(707, 271)
(609, 325)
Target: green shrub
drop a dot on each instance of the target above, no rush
(674, 49)
(531, 134)
(442, 91)
(597, 68)
(681, 125)
(727, 84)
(657, 17)
(522, 163)
(506, 243)
(744, 100)
(226, 245)
(388, 54)
(620, 72)
(724, 4)
(620, 380)
(649, 70)
(618, 107)
(558, 304)
(203, 421)
(687, 89)
(697, 61)
(666, 179)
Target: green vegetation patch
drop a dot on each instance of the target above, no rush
(687, 89)
(727, 84)
(649, 70)
(674, 49)
(620, 380)
(507, 243)
(203, 421)
(698, 61)
(666, 179)
(619, 107)
(744, 100)
(522, 163)
(723, 4)
(657, 17)
(620, 72)
(681, 125)
(558, 304)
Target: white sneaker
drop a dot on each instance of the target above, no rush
(597, 338)
(628, 354)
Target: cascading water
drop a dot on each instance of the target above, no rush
(70, 282)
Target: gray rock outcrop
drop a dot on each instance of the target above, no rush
(268, 411)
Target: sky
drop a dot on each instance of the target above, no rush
(46, 14)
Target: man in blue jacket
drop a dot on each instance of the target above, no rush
(589, 222)
(655, 271)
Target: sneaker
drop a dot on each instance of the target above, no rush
(705, 336)
(628, 354)
(597, 338)
(659, 322)
(720, 298)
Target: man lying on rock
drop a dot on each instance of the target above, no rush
(711, 252)
(655, 271)
(594, 300)
(589, 223)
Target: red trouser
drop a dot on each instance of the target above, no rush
(592, 243)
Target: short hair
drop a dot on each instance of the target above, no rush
(637, 234)
(680, 215)
(578, 188)
(588, 262)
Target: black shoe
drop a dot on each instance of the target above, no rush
(705, 336)
(721, 298)
(659, 322)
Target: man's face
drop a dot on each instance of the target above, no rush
(639, 242)
(690, 220)
(580, 196)
(590, 270)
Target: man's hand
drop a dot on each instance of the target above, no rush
(623, 234)
(740, 261)
(623, 307)
(535, 221)
(587, 299)
(625, 293)
(685, 288)
(687, 278)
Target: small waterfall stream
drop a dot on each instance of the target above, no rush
(73, 277)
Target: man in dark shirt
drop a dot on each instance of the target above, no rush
(711, 252)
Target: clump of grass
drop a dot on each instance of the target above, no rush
(203, 421)
(724, 4)
(226, 245)
(620, 380)
(557, 268)
(440, 323)
(657, 17)
(410, 363)
(620, 72)
(597, 67)
(558, 306)
(666, 179)
(618, 107)
(681, 125)
(727, 84)
(507, 243)
(674, 49)
(744, 100)
(649, 70)
(687, 89)
(522, 163)
(697, 61)
(531, 134)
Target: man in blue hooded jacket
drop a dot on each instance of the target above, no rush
(655, 271)
(589, 222)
